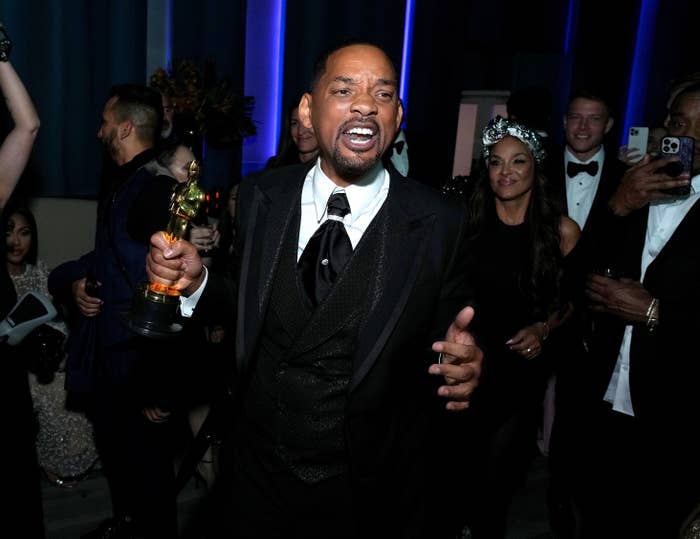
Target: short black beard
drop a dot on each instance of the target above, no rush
(351, 170)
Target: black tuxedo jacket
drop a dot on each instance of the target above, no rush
(664, 365)
(393, 416)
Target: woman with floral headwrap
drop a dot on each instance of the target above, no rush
(520, 244)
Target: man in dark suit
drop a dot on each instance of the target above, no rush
(107, 363)
(641, 469)
(583, 177)
(340, 431)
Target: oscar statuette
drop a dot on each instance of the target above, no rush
(154, 308)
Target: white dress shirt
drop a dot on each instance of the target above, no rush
(400, 160)
(664, 218)
(581, 189)
(365, 197)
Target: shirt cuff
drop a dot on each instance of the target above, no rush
(187, 304)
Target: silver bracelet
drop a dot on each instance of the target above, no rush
(653, 314)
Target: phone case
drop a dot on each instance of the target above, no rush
(638, 138)
(684, 149)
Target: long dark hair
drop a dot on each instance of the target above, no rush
(8, 296)
(542, 281)
(17, 207)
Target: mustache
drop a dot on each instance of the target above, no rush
(361, 120)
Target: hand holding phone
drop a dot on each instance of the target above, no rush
(684, 149)
(637, 142)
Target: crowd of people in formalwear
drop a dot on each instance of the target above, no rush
(377, 354)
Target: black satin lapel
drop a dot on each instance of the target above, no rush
(405, 248)
(684, 235)
(276, 208)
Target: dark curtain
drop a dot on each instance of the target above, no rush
(69, 54)
(674, 53)
(473, 45)
(314, 25)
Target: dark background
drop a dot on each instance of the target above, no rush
(70, 52)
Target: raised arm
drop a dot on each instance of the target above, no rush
(15, 149)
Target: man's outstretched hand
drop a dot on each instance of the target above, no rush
(461, 362)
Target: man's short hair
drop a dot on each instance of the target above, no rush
(689, 88)
(322, 60)
(592, 94)
(143, 106)
(167, 152)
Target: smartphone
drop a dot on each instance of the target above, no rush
(638, 138)
(684, 149)
(92, 286)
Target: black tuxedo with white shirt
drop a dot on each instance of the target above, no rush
(610, 176)
(343, 390)
(655, 474)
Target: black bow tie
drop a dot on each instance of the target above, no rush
(398, 146)
(572, 169)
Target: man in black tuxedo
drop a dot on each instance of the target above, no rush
(587, 174)
(583, 177)
(339, 429)
(641, 473)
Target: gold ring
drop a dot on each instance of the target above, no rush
(529, 349)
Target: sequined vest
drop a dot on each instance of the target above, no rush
(296, 402)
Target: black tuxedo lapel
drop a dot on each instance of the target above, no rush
(675, 252)
(274, 207)
(610, 177)
(404, 245)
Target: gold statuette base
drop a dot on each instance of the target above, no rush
(154, 314)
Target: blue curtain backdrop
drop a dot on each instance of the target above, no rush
(68, 54)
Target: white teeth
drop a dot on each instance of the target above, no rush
(360, 131)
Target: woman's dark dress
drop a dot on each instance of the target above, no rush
(506, 408)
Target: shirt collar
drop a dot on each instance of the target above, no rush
(599, 156)
(360, 193)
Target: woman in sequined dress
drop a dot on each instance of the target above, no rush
(65, 447)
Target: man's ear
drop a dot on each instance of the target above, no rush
(609, 125)
(125, 129)
(305, 110)
(399, 115)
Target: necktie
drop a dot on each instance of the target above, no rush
(327, 252)
(398, 146)
(572, 169)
